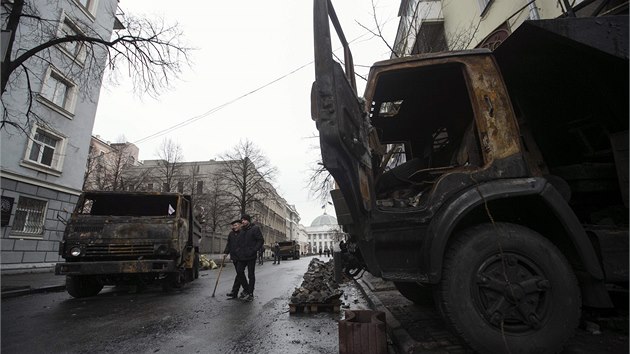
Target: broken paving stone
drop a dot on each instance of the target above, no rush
(318, 286)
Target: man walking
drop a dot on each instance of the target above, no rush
(230, 248)
(249, 241)
(276, 253)
(261, 253)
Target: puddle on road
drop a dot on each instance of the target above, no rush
(276, 330)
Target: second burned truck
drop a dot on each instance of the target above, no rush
(135, 238)
(493, 183)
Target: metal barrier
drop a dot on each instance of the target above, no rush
(363, 332)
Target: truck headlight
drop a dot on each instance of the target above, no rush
(161, 250)
(75, 251)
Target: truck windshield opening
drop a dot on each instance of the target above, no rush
(128, 205)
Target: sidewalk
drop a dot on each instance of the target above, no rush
(29, 283)
(412, 331)
(44, 280)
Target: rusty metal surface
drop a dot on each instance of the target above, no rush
(115, 267)
(129, 232)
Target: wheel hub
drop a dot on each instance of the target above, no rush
(511, 292)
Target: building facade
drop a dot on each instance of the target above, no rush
(440, 25)
(106, 164)
(213, 206)
(42, 167)
(324, 233)
(302, 238)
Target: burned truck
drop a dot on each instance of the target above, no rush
(115, 238)
(492, 183)
(289, 249)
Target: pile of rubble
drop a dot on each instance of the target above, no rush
(318, 286)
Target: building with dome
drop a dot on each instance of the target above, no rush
(324, 233)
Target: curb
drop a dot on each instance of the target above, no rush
(400, 336)
(29, 290)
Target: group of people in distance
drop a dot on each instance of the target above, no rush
(244, 243)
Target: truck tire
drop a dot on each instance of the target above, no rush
(506, 288)
(82, 286)
(174, 280)
(419, 294)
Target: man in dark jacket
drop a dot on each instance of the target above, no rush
(249, 241)
(276, 253)
(230, 248)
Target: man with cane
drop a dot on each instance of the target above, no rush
(230, 248)
(249, 241)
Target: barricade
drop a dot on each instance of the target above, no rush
(363, 332)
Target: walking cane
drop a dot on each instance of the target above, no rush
(218, 276)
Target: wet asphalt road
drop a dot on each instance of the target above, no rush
(184, 321)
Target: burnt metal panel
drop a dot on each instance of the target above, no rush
(619, 143)
(613, 246)
(340, 120)
(115, 267)
(606, 34)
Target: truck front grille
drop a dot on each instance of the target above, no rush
(119, 250)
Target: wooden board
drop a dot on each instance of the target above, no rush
(334, 306)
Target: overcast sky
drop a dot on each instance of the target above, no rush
(241, 46)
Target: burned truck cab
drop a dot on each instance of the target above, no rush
(427, 128)
(129, 237)
(437, 127)
(505, 205)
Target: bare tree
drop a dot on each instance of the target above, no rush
(169, 166)
(135, 179)
(150, 51)
(248, 175)
(219, 210)
(105, 170)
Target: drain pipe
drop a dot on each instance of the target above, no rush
(533, 11)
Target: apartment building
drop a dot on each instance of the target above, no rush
(106, 164)
(42, 165)
(215, 209)
(440, 25)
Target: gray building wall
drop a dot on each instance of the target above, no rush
(59, 187)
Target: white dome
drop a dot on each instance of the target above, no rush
(324, 220)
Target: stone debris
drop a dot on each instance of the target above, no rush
(318, 286)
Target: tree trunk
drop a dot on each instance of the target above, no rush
(12, 26)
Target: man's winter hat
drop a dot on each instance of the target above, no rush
(237, 221)
(246, 217)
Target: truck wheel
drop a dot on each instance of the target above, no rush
(420, 294)
(506, 288)
(173, 280)
(82, 286)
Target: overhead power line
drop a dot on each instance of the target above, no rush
(219, 107)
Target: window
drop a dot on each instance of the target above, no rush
(149, 186)
(29, 216)
(88, 6)
(59, 91)
(76, 50)
(199, 187)
(45, 148)
(180, 187)
(165, 187)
